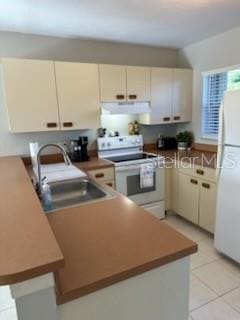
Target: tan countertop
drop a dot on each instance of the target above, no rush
(93, 163)
(195, 157)
(109, 241)
(28, 247)
(102, 243)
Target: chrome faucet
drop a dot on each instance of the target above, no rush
(65, 157)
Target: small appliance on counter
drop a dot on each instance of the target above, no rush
(166, 143)
(78, 149)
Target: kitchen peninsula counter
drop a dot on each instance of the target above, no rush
(88, 247)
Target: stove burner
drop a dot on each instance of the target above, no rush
(131, 157)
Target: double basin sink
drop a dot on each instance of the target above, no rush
(75, 192)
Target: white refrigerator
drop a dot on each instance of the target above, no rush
(227, 231)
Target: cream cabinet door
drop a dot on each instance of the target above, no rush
(188, 197)
(113, 84)
(207, 205)
(138, 84)
(78, 95)
(174, 189)
(182, 95)
(30, 92)
(168, 189)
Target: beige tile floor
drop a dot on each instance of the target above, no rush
(215, 279)
(214, 286)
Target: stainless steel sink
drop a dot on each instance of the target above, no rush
(76, 192)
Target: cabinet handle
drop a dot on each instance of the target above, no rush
(99, 175)
(109, 184)
(132, 97)
(120, 96)
(176, 118)
(199, 171)
(166, 119)
(194, 181)
(51, 125)
(67, 124)
(206, 185)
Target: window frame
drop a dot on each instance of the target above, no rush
(212, 137)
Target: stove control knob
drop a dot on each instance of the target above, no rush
(138, 141)
(103, 145)
(109, 144)
(133, 141)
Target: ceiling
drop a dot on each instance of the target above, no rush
(169, 23)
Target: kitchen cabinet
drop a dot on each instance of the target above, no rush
(106, 176)
(122, 84)
(168, 191)
(161, 97)
(78, 95)
(174, 188)
(207, 207)
(191, 192)
(30, 93)
(182, 95)
(138, 84)
(188, 197)
(113, 85)
(171, 96)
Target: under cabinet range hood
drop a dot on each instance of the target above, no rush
(125, 107)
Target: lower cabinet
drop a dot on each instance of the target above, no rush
(188, 201)
(105, 176)
(207, 207)
(174, 189)
(192, 197)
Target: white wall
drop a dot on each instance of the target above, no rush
(52, 48)
(213, 53)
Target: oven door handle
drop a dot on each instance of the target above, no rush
(129, 168)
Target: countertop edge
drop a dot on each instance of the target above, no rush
(113, 279)
(39, 266)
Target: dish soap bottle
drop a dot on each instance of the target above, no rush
(46, 196)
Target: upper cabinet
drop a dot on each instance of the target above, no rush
(47, 95)
(122, 84)
(138, 84)
(182, 95)
(113, 86)
(171, 96)
(161, 97)
(78, 95)
(30, 92)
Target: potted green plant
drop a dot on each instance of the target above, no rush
(184, 140)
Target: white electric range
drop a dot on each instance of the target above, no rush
(126, 153)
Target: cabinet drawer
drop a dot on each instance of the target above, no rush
(199, 172)
(103, 174)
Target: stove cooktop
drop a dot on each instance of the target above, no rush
(131, 157)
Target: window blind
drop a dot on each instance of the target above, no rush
(214, 87)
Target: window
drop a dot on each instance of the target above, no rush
(214, 87)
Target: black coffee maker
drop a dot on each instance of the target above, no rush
(79, 150)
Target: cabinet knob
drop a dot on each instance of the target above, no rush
(166, 119)
(206, 185)
(176, 118)
(120, 96)
(132, 97)
(67, 124)
(194, 181)
(199, 171)
(51, 125)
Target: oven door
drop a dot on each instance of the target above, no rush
(128, 183)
